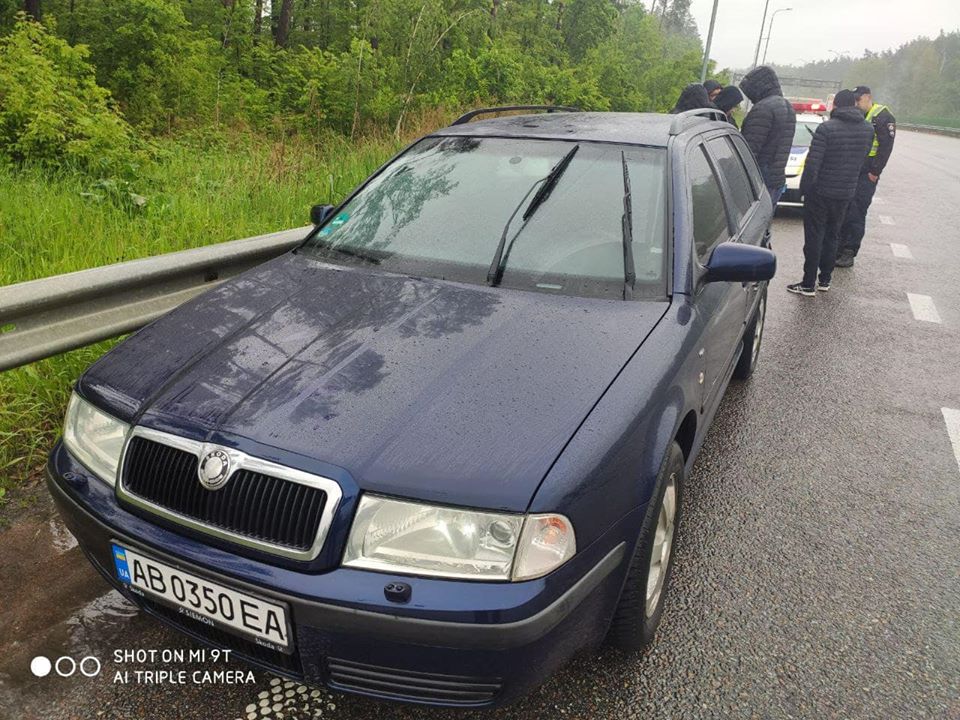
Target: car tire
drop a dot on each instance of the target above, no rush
(638, 613)
(752, 339)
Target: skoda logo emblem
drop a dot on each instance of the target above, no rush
(214, 469)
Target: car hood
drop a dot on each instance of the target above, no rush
(417, 388)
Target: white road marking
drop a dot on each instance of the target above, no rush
(952, 418)
(901, 251)
(923, 308)
(887, 220)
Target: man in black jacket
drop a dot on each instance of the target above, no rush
(713, 89)
(728, 99)
(693, 97)
(884, 131)
(829, 182)
(768, 127)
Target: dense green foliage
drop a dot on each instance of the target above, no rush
(52, 112)
(920, 81)
(320, 65)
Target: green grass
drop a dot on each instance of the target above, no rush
(247, 186)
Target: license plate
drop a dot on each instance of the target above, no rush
(205, 601)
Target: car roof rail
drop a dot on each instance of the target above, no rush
(467, 117)
(680, 123)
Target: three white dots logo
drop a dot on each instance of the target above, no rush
(65, 666)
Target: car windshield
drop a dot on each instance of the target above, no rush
(803, 134)
(439, 210)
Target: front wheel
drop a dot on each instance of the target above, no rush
(641, 602)
(752, 338)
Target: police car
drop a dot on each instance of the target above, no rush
(807, 124)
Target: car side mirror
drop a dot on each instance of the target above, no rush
(736, 262)
(319, 213)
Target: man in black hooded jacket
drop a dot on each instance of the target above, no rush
(768, 127)
(693, 97)
(829, 182)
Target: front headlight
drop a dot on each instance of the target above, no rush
(410, 537)
(94, 438)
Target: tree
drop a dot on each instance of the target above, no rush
(586, 24)
(32, 8)
(257, 20)
(678, 20)
(281, 31)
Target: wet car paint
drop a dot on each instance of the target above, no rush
(418, 388)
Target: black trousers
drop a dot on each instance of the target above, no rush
(854, 227)
(822, 219)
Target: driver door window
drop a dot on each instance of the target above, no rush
(710, 226)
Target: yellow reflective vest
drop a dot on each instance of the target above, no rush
(875, 110)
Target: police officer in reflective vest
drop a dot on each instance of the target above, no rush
(884, 132)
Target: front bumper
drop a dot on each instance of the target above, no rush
(456, 642)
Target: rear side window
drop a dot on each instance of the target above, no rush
(735, 175)
(752, 170)
(709, 217)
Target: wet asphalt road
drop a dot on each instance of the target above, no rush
(818, 566)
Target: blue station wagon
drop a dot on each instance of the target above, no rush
(440, 447)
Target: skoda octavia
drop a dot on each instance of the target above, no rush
(441, 446)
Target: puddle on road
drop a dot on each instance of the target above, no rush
(52, 603)
(61, 538)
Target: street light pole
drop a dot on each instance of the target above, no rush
(763, 24)
(770, 31)
(706, 51)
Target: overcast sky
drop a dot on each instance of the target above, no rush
(815, 27)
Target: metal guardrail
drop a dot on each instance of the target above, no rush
(45, 317)
(936, 129)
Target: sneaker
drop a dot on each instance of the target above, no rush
(799, 289)
(844, 261)
(823, 287)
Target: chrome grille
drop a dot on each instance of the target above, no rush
(261, 505)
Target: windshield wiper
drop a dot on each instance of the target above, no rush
(495, 272)
(549, 183)
(629, 269)
(350, 252)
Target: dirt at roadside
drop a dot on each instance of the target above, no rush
(22, 501)
(44, 579)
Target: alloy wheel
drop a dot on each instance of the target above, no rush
(662, 546)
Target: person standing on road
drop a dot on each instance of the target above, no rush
(884, 132)
(728, 100)
(768, 127)
(693, 97)
(829, 182)
(713, 89)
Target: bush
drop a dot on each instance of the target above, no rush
(160, 70)
(52, 112)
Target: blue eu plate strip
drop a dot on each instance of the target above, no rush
(120, 561)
